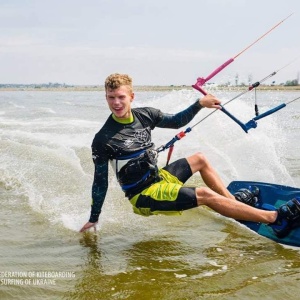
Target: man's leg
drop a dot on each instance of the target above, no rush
(198, 162)
(233, 209)
(285, 218)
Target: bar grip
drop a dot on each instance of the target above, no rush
(269, 112)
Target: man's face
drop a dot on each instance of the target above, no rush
(119, 101)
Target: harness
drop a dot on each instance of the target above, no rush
(137, 171)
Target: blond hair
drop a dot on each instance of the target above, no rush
(116, 80)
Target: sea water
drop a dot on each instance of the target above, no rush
(46, 172)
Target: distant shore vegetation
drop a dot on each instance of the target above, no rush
(289, 85)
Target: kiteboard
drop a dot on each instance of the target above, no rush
(270, 197)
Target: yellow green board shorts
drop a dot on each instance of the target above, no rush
(168, 196)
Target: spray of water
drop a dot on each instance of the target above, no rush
(47, 157)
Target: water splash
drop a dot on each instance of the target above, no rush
(49, 159)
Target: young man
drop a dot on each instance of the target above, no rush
(125, 141)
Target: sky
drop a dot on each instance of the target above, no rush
(156, 42)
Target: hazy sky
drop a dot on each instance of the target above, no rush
(155, 41)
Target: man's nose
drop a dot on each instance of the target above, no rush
(116, 100)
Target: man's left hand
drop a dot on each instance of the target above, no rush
(210, 101)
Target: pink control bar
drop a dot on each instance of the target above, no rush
(201, 81)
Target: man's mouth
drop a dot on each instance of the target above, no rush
(118, 109)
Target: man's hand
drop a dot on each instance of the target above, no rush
(210, 101)
(88, 225)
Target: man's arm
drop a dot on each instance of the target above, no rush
(184, 117)
(99, 189)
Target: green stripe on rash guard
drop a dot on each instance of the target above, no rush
(124, 121)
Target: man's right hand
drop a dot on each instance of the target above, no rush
(88, 225)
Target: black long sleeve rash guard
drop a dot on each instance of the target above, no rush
(118, 140)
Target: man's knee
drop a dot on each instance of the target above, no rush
(197, 161)
(201, 157)
(204, 195)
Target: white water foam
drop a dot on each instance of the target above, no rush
(49, 159)
(256, 155)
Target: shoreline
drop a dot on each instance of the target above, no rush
(145, 88)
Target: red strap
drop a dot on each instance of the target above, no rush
(170, 154)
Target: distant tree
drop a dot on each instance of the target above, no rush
(292, 82)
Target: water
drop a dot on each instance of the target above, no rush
(46, 174)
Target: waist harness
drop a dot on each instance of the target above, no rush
(139, 172)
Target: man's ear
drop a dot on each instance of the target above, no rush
(132, 97)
